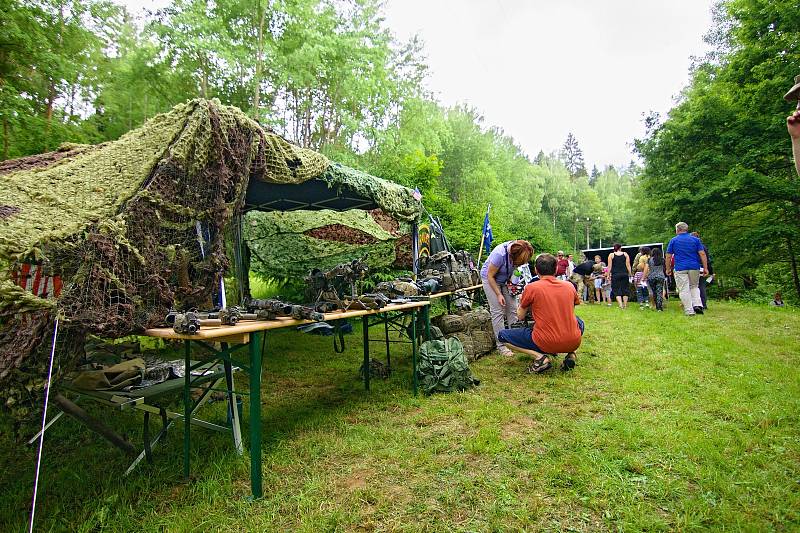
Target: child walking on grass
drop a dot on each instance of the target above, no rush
(654, 274)
(642, 295)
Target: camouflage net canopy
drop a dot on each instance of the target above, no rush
(291, 244)
(110, 237)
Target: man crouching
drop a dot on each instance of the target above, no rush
(555, 328)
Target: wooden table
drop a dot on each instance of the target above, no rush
(248, 333)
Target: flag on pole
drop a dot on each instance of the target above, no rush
(416, 194)
(487, 233)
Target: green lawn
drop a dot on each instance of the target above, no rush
(668, 422)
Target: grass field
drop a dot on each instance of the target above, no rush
(668, 423)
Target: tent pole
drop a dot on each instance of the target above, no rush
(415, 247)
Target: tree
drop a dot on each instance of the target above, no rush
(720, 161)
(572, 156)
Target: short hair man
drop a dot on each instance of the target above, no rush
(579, 275)
(562, 264)
(556, 329)
(689, 257)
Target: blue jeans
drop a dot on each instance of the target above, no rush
(642, 294)
(523, 337)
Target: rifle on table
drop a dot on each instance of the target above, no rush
(190, 322)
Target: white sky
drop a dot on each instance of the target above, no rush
(542, 68)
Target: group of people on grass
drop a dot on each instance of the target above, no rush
(550, 297)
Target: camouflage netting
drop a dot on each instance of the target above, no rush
(390, 197)
(133, 228)
(291, 244)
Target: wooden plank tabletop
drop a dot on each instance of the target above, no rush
(249, 326)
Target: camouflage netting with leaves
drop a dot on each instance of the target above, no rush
(286, 245)
(133, 228)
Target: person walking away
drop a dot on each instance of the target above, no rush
(495, 274)
(654, 274)
(704, 275)
(578, 273)
(641, 289)
(621, 275)
(689, 256)
(598, 275)
(639, 266)
(556, 329)
(561, 266)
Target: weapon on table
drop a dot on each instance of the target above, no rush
(334, 284)
(367, 301)
(276, 308)
(190, 322)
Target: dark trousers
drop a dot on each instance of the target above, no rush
(657, 286)
(702, 286)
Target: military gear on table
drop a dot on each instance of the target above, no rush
(443, 367)
(397, 288)
(462, 302)
(456, 270)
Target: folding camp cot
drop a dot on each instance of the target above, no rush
(154, 400)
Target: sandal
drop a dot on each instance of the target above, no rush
(540, 365)
(570, 360)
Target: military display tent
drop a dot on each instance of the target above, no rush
(110, 237)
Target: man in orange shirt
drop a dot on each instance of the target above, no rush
(556, 329)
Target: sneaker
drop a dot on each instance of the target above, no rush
(698, 310)
(569, 361)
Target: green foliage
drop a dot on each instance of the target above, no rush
(325, 73)
(721, 160)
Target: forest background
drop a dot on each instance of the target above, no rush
(330, 75)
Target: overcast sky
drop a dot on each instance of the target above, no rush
(542, 68)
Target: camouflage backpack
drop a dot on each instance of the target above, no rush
(443, 367)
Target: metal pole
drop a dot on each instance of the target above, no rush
(255, 414)
(365, 328)
(187, 405)
(587, 233)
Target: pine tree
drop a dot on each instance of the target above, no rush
(593, 175)
(572, 156)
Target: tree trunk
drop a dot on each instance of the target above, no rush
(793, 260)
(95, 425)
(48, 114)
(259, 59)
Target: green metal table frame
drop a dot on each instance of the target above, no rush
(254, 368)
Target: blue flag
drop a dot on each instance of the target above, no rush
(487, 233)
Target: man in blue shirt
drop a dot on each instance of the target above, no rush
(689, 256)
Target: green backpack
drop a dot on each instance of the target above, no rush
(443, 367)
